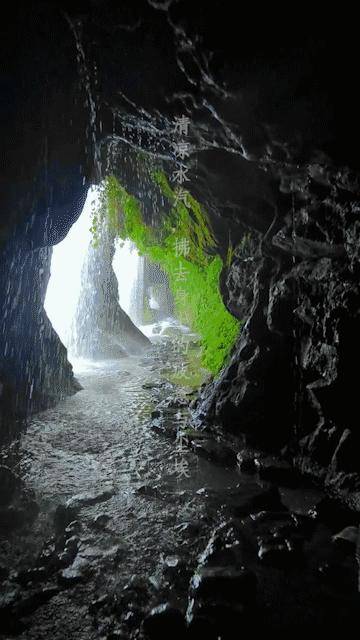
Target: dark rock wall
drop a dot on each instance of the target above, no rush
(290, 384)
(44, 180)
(34, 370)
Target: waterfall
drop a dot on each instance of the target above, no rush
(102, 299)
(143, 286)
(128, 266)
(138, 293)
(64, 285)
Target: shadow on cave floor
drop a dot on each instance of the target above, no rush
(120, 527)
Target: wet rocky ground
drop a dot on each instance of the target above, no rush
(120, 521)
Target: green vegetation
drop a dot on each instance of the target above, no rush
(182, 246)
(193, 374)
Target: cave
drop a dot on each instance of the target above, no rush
(179, 282)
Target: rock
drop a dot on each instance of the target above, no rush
(251, 497)
(99, 603)
(152, 385)
(224, 548)
(4, 572)
(63, 516)
(30, 603)
(176, 571)
(201, 627)
(48, 557)
(11, 518)
(137, 584)
(68, 555)
(14, 517)
(246, 462)
(9, 484)
(9, 624)
(214, 451)
(113, 555)
(277, 551)
(341, 576)
(100, 521)
(77, 572)
(348, 537)
(37, 574)
(229, 584)
(221, 618)
(73, 528)
(14, 605)
(189, 528)
(278, 471)
(334, 514)
(148, 490)
(164, 622)
(118, 634)
(88, 499)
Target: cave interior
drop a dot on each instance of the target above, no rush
(182, 461)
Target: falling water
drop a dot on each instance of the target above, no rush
(128, 266)
(67, 260)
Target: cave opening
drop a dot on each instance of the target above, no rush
(82, 285)
(62, 293)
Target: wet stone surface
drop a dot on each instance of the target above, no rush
(124, 541)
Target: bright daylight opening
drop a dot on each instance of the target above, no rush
(138, 288)
(68, 256)
(63, 292)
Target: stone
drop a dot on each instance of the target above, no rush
(164, 622)
(73, 528)
(246, 462)
(278, 551)
(221, 617)
(152, 385)
(68, 555)
(78, 571)
(348, 537)
(277, 471)
(118, 634)
(251, 497)
(9, 484)
(237, 585)
(89, 499)
(100, 521)
(37, 574)
(334, 514)
(148, 490)
(190, 529)
(220, 550)
(19, 515)
(340, 575)
(4, 572)
(214, 451)
(63, 516)
(30, 603)
(99, 603)
(201, 627)
(15, 605)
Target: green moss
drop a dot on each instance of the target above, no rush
(182, 245)
(193, 373)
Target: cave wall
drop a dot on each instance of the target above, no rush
(290, 384)
(44, 181)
